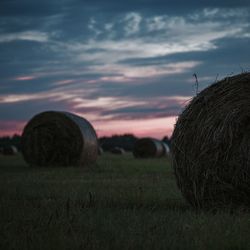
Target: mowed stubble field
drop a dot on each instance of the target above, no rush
(118, 203)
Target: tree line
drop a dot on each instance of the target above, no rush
(125, 141)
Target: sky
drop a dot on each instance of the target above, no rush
(126, 66)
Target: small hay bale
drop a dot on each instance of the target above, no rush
(148, 148)
(166, 148)
(211, 145)
(100, 150)
(59, 139)
(117, 151)
(9, 150)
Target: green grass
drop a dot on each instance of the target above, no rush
(119, 203)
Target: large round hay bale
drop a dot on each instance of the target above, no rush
(148, 148)
(211, 145)
(59, 139)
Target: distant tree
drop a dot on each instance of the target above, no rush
(125, 141)
(7, 141)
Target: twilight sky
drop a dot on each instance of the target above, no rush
(125, 66)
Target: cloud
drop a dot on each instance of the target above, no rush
(24, 78)
(128, 72)
(132, 21)
(220, 14)
(175, 34)
(92, 27)
(117, 63)
(140, 108)
(35, 36)
(27, 97)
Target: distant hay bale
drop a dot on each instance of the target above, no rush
(59, 139)
(148, 148)
(100, 150)
(211, 145)
(117, 151)
(9, 150)
(166, 151)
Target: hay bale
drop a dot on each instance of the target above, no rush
(100, 150)
(211, 145)
(148, 148)
(117, 151)
(166, 149)
(59, 139)
(9, 150)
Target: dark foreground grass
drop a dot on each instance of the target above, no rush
(119, 203)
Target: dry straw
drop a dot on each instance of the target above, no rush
(211, 145)
(59, 139)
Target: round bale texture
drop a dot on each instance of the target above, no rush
(211, 145)
(148, 148)
(54, 138)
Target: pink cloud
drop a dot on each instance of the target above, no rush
(111, 115)
(64, 82)
(24, 78)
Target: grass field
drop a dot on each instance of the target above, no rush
(119, 203)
